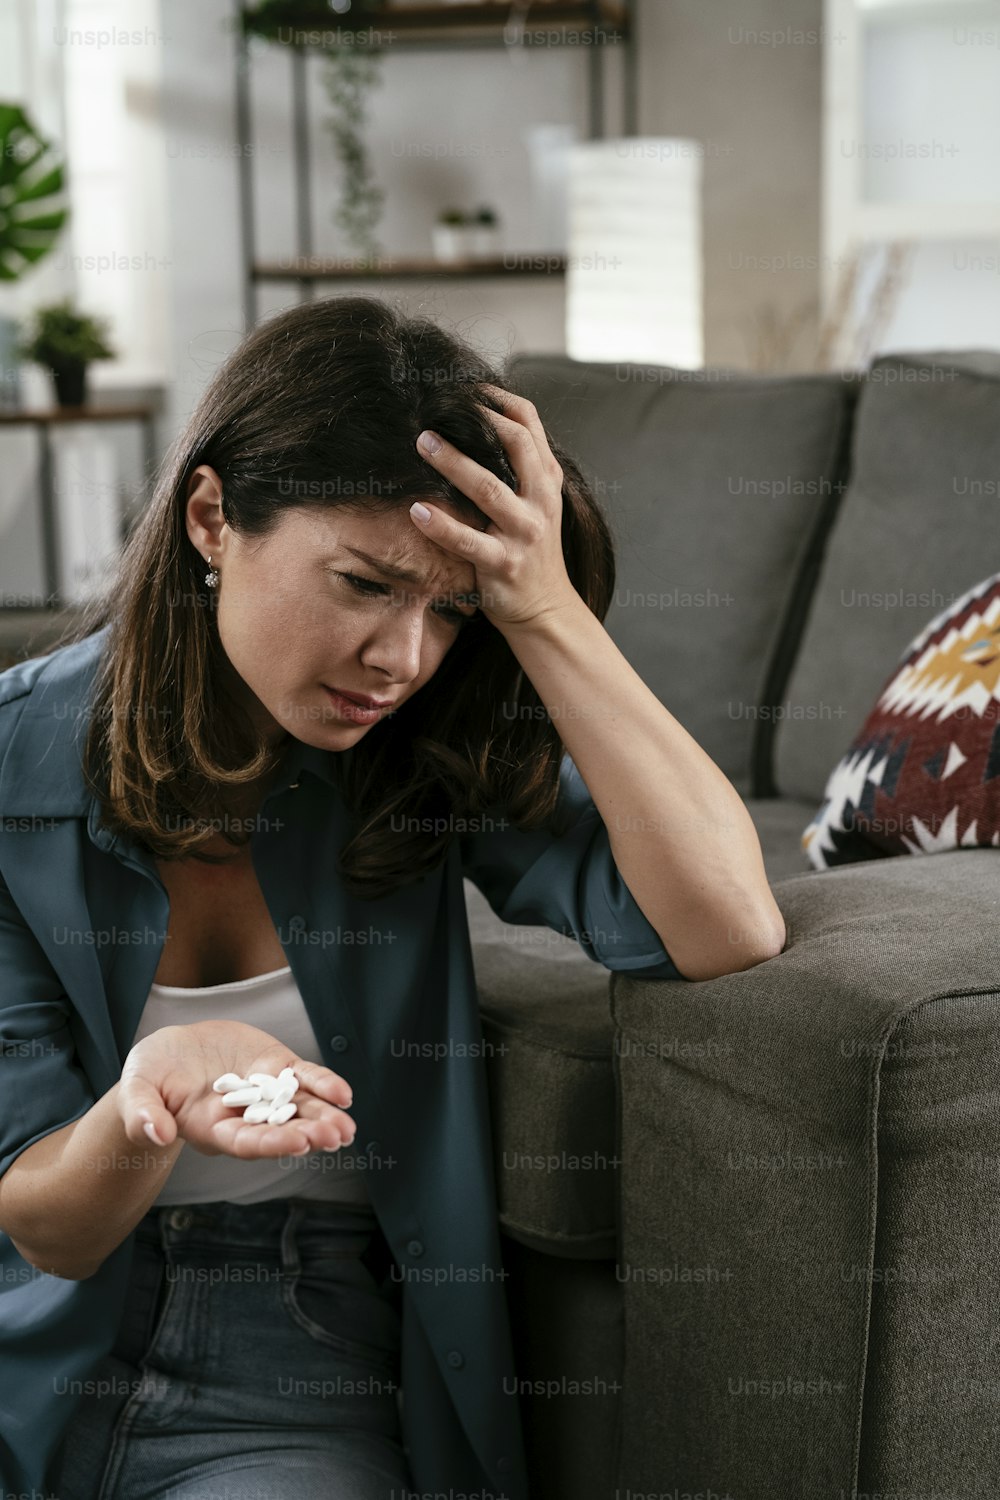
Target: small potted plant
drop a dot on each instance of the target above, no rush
(452, 236)
(65, 341)
(485, 233)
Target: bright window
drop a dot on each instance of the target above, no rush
(88, 71)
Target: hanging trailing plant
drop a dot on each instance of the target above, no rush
(348, 75)
(352, 65)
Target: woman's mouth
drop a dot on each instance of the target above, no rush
(350, 708)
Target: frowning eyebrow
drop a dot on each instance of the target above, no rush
(393, 570)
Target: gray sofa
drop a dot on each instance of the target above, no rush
(766, 1260)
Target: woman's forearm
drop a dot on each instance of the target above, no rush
(71, 1199)
(681, 835)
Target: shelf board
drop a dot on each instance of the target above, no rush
(538, 263)
(563, 23)
(16, 416)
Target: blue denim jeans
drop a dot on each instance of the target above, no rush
(257, 1359)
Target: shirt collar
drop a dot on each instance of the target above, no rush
(299, 757)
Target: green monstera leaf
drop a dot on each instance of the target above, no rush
(32, 205)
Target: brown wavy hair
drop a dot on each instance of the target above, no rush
(321, 405)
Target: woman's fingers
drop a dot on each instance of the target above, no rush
(323, 1082)
(324, 1124)
(237, 1138)
(317, 1126)
(144, 1115)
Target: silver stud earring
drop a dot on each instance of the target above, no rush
(212, 576)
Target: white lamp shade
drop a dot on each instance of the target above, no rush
(633, 274)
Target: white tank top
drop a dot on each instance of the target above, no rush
(272, 1002)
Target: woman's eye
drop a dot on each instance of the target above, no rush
(363, 585)
(369, 587)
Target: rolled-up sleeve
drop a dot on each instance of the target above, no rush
(42, 1086)
(563, 876)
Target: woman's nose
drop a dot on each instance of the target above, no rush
(396, 646)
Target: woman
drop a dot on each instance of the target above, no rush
(213, 860)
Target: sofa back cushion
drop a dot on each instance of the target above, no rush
(917, 529)
(718, 488)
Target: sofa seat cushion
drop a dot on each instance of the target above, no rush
(549, 1044)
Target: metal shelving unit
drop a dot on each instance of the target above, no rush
(43, 421)
(490, 24)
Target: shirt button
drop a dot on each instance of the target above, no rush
(181, 1218)
(297, 923)
(415, 1247)
(456, 1359)
(339, 1043)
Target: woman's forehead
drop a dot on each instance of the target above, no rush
(390, 541)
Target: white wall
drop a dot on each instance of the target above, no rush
(744, 78)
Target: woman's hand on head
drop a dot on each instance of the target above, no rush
(521, 575)
(167, 1083)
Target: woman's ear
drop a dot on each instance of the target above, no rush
(203, 516)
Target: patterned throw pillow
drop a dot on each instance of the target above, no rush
(923, 774)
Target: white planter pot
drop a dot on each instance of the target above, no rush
(452, 242)
(485, 241)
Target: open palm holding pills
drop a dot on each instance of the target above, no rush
(265, 1099)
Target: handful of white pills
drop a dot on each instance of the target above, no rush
(267, 1099)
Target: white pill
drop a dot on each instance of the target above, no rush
(280, 1115)
(256, 1114)
(228, 1081)
(287, 1076)
(284, 1096)
(249, 1094)
(266, 1082)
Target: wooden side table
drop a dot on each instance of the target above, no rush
(44, 420)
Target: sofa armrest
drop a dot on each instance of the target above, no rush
(801, 1142)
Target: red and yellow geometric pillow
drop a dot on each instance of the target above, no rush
(923, 774)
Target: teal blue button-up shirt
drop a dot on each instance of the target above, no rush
(83, 919)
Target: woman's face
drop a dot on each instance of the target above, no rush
(300, 613)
